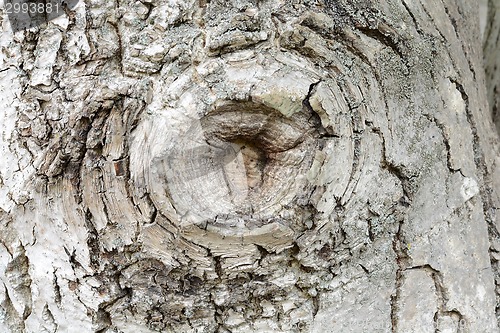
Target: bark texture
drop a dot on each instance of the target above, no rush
(248, 166)
(492, 59)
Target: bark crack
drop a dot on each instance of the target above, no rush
(402, 260)
(411, 15)
(442, 296)
(384, 39)
(455, 29)
(446, 140)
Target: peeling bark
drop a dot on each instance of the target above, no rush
(253, 166)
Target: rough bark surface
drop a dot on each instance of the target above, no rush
(248, 166)
(492, 60)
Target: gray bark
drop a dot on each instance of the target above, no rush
(492, 60)
(251, 166)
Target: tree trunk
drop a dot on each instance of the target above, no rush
(248, 166)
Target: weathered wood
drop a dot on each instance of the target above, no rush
(249, 166)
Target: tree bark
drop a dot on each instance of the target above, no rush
(491, 59)
(249, 166)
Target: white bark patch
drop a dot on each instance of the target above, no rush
(46, 54)
(469, 188)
